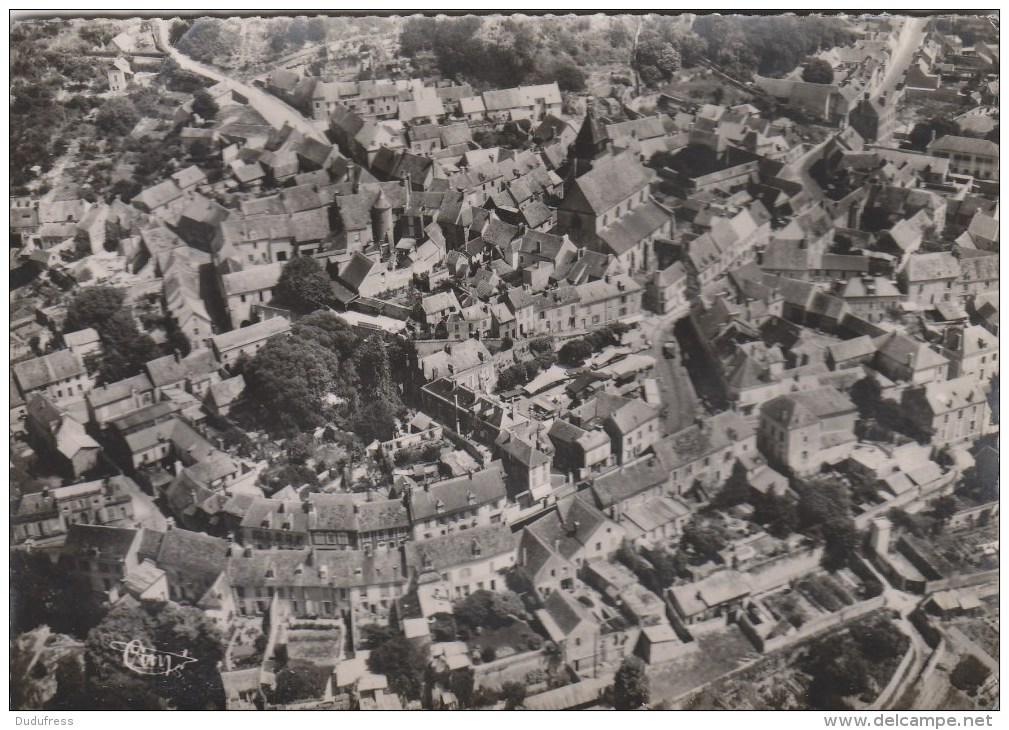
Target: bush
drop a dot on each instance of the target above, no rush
(488, 654)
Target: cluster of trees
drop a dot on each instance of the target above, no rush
(817, 71)
(303, 286)
(398, 659)
(290, 34)
(208, 40)
(522, 372)
(656, 59)
(168, 627)
(770, 45)
(325, 372)
(574, 352)
(924, 132)
(300, 681)
(969, 674)
(40, 118)
(849, 665)
(657, 568)
(489, 609)
(703, 538)
(204, 104)
(509, 51)
(43, 594)
(116, 117)
(824, 513)
(125, 348)
(776, 513)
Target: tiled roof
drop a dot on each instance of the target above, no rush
(253, 333)
(460, 493)
(193, 555)
(459, 548)
(793, 410)
(43, 371)
(931, 266)
(606, 185)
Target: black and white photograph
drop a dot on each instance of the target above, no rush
(505, 360)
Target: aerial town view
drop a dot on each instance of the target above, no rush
(504, 361)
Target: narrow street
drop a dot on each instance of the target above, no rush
(678, 397)
(911, 36)
(272, 109)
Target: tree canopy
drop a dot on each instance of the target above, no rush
(204, 104)
(818, 71)
(489, 609)
(166, 627)
(323, 371)
(924, 132)
(125, 348)
(402, 663)
(303, 285)
(116, 116)
(630, 685)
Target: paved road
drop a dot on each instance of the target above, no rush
(272, 109)
(678, 397)
(911, 36)
(909, 41)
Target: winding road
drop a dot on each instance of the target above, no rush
(911, 35)
(272, 109)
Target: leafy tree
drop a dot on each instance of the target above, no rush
(777, 513)
(461, 683)
(403, 665)
(513, 694)
(204, 104)
(489, 609)
(116, 116)
(735, 491)
(838, 670)
(43, 593)
(630, 685)
(290, 378)
(867, 396)
(945, 507)
(315, 31)
(825, 512)
(703, 538)
(71, 685)
(303, 285)
(650, 75)
(818, 71)
(569, 77)
(91, 307)
(377, 421)
(177, 30)
(879, 640)
(924, 132)
(969, 674)
(574, 352)
(167, 627)
(301, 681)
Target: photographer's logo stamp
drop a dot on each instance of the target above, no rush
(146, 660)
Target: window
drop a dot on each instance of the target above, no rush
(599, 547)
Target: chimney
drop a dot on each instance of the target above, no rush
(169, 523)
(178, 355)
